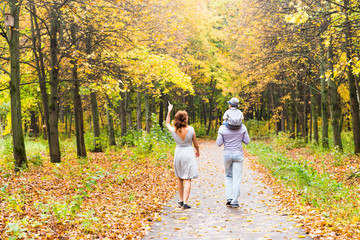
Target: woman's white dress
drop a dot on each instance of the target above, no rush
(185, 164)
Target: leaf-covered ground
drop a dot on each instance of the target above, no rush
(315, 186)
(113, 195)
(119, 194)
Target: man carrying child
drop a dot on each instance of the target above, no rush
(232, 134)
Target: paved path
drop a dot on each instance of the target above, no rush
(258, 217)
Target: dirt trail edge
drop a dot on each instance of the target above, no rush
(259, 215)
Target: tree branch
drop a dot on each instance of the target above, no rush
(5, 71)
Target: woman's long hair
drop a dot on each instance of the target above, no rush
(180, 120)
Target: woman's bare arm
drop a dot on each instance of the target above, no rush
(196, 145)
(168, 125)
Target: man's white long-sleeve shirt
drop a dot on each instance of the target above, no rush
(232, 139)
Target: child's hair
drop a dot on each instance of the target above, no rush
(180, 120)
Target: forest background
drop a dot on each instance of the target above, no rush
(79, 76)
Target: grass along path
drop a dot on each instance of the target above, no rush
(329, 207)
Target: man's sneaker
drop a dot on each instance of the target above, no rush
(235, 205)
(228, 202)
(185, 206)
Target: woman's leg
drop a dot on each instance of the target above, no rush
(181, 189)
(187, 188)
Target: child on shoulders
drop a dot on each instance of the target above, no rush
(233, 117)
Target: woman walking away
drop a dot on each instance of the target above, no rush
(185, 164)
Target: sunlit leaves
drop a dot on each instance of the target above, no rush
(151, 70)
(300, 16)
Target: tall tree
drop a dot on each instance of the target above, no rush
(55, 155)
(78, 109)
(354, 103)
(111, 131)
(335, 108)
(147, 112)
(16, 121)
(138, 110)
(40, 65)
(96, 123)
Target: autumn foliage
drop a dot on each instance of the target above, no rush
(116, 194)
(95, 72)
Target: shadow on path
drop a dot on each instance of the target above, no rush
(259, 216)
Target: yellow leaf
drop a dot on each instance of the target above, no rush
(18, 209)
(355, 219)
(301, 236)
(183, 218)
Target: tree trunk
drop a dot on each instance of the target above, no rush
(55, 156)
(274, 101)
(110, 124)
(78, 110)
(152, 109)
(283, 120)
(272, 105)
(210, 114)
(288, 116)
(161, 111)
(42, 124)
(335, 108)
(138, 111)
(192, 109)
(341, 122)
(217, 116)
(299, 111)
(128, 108)
(122, 114)
(61, 109)
(34, 128)
(70, 124)
(153, 105)
(354, 104)
(1, 128)
(40, 68)
(324, 104)
(16, 121)
(204, 112)
(314, 116)
(147, 112)
(96, 124)
(305, 128)
(66, 122)
(79, 119)
(310, 124)
(357, 89)
(293, 119)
